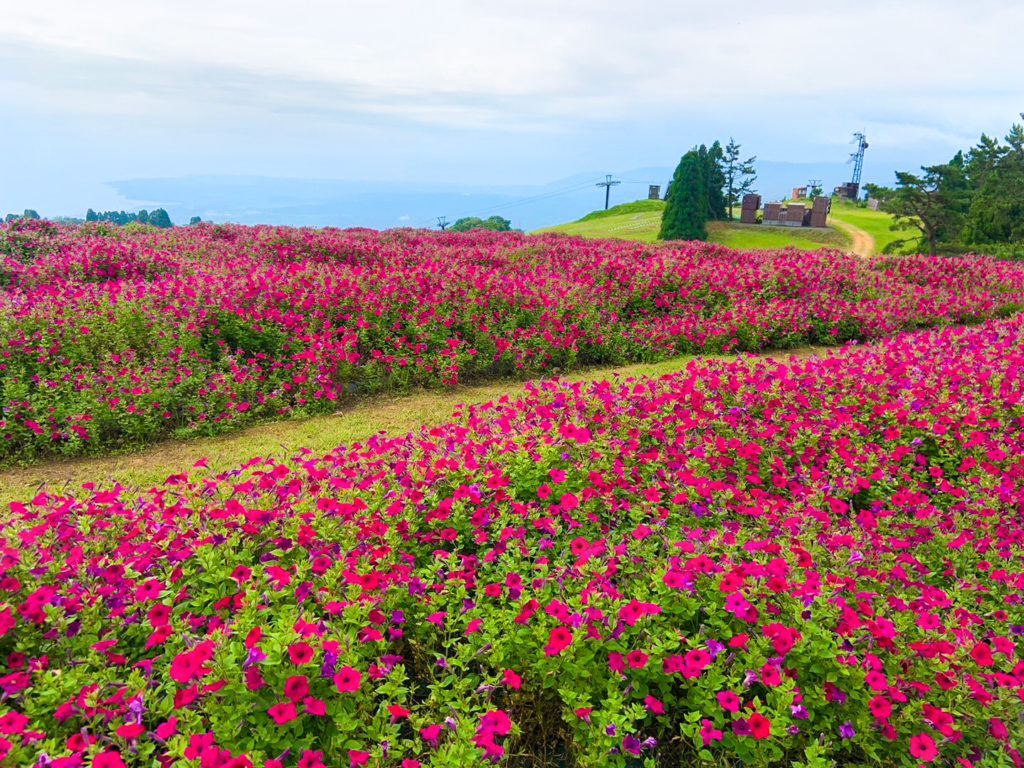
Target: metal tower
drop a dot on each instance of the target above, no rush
(858, 158)
(607, 184)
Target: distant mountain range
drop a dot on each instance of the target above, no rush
(381, 205)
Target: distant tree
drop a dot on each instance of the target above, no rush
(934, 203)
(494, 223)
(91, 215)
(11, 217)
(30, 214)
(996, 175)
(686, 207)
(739, 174)
(194, 220)
(159, 218)
(714, 179)
(142, 216)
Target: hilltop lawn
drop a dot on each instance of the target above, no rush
(640, 220)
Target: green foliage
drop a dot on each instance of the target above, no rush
(973, 203)
(714, 179)
(933, 203)
(29, 214)
(686, 209)
(493, 223)
(740, 175)
(159, 218)
(156, 218)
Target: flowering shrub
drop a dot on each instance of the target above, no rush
(116, 337)
(769, 563)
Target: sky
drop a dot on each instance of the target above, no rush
(482, 95)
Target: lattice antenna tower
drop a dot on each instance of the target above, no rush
(858, 156)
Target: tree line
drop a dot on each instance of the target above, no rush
(706, 185)
(975, 202)
(155, 218)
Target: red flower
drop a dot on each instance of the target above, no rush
(728, 701)
(880, 707)
(185, 696)
(282, 713)
(158, 614)
(296, 687)
(110, 759)
(347, 679)
(636, 658)
(130, 730)
(511, 679)
(697, 658)
(495, 721)
(558, 640)
(760, 726)
(397, 710)
(300, 653)
(357, 757)
(167, 729)
(982, 655)
(923, 747)
(770, 675)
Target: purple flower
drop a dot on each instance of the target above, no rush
(254, 656)
(330, 662)
(610, 729)
(631, 744)
(799, 711)
(741, 727)
(714, 648)
(846, 730)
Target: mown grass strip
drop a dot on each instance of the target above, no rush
(394, 414)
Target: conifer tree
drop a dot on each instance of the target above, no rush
(686, 209)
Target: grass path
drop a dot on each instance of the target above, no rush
(395, 414)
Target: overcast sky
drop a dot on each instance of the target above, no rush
(482, 92)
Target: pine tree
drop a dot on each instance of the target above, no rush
(739, 175)
(686, 209)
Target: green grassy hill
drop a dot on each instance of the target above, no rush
(641, 220)
(630, 221)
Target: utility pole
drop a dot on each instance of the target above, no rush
(607, 184)
(442, 222)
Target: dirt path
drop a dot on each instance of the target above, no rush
(863, 243)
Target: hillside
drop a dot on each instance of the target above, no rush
(640, 221)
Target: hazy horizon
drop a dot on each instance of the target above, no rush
(102, 99)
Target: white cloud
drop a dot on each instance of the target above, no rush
(462, 62)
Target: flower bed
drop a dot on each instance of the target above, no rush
(116, 338)
(747, 562)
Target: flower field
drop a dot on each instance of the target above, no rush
(113, 338)
(805, 563)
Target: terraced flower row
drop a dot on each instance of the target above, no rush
(749, 561)
(112, 338)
